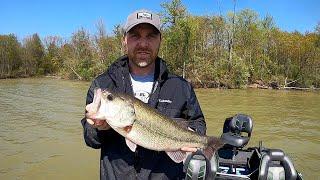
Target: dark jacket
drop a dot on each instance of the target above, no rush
(171, 95)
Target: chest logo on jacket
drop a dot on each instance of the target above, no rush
(165, 101)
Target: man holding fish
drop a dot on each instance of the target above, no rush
(136, 111)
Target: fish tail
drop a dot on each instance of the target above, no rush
(213, 145)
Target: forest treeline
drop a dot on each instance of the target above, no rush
(231, 51)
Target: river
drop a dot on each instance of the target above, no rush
(41, 135)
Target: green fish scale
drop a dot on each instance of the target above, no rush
(151, 119)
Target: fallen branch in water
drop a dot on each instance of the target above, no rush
(286, 84)
(299, 88)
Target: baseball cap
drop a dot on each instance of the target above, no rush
(142, 16)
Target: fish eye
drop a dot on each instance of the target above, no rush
(110, 97)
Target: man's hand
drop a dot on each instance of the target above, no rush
(189, 149)
(99, 124)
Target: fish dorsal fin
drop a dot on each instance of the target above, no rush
(132, 146)
(177, 156)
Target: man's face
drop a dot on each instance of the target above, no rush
(142, 44)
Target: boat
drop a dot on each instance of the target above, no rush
(235, 161)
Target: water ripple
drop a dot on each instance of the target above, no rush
(40, 126)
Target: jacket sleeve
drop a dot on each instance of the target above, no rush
(93, 137)
(194, 113)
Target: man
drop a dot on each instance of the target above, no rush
(141, 73)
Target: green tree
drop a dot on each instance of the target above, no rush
(173, 12)
(33, 56)
(230, 50)
(107, 48)
(10, 60)
(177, 36)
(82, 62)
(37, 51)
(54, 61)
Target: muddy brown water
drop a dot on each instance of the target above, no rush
(41, 134)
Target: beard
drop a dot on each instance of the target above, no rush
(143, 57)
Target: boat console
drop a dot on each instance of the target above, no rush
(233, 161)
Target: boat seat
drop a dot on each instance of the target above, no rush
(274, 155)
(235, 128)
(198, 167)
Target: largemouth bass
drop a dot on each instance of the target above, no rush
(144, 126)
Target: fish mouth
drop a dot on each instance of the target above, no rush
(93, 108)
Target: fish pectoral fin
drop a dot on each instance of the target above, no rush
(177, 156)
(131, 145)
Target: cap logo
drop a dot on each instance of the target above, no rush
(145, 15)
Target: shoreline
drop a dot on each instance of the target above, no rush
(256, 85)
